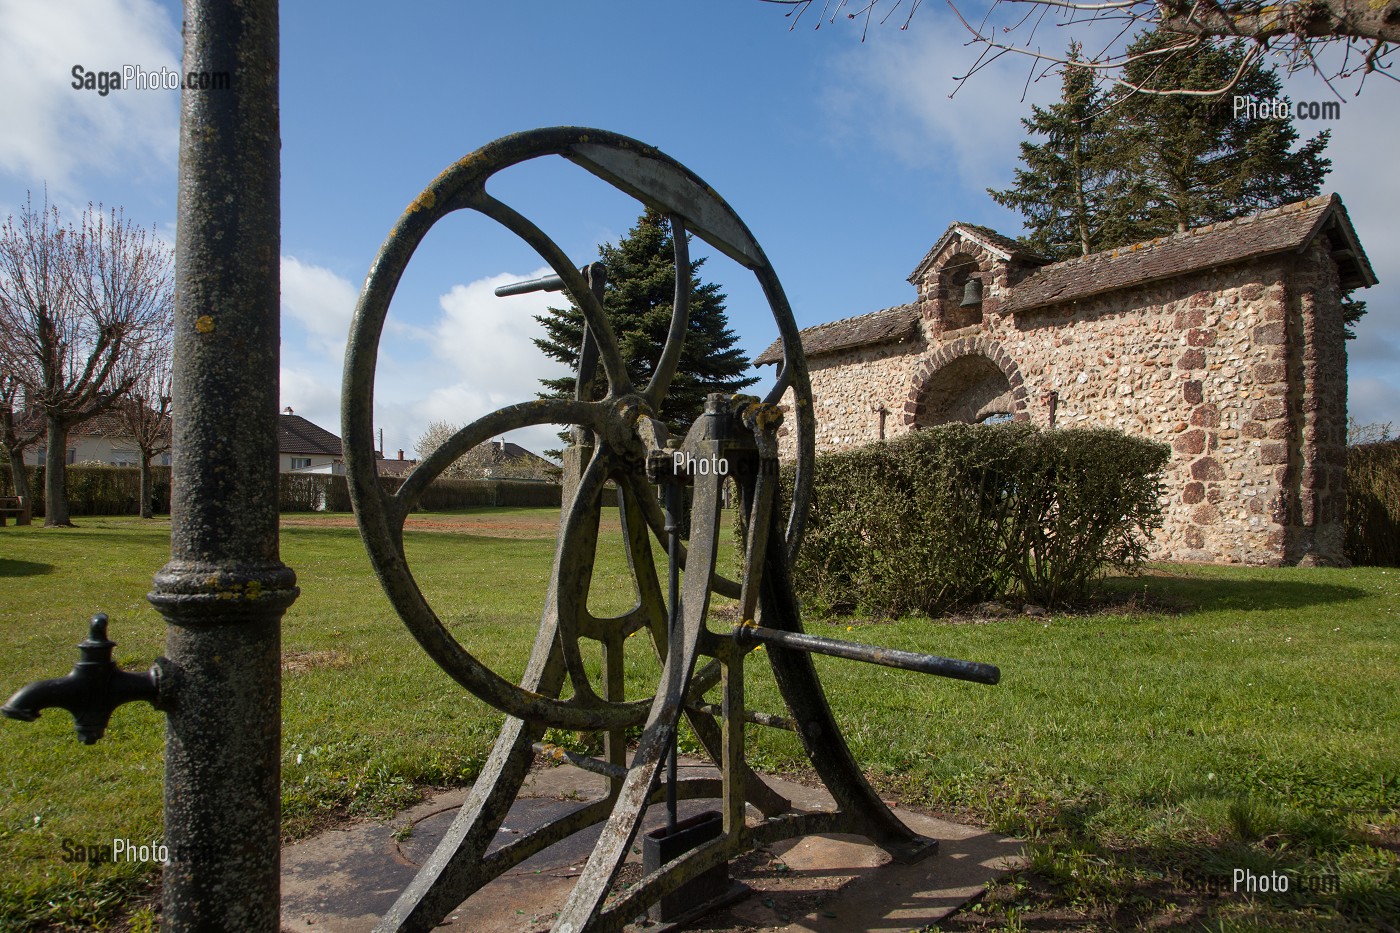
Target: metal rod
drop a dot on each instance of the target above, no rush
(974, 671)
(225, 589)
(614, 740)
(672, 493)
(754, 716)
(597, 275)
(586, 762)
(547, 283)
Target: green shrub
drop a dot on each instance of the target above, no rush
(313, 492)
(98, 490)
(959, 514)
(108, 490)
(1373, 504)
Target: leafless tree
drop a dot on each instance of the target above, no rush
(75, 302)
(145, 412)
(1362, 32)
(434, 437)
(484, 461)
(1375, 432)
(17, 433)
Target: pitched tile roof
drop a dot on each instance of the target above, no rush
(109, 423)
(296, 435)
(1283, 229)
(394, 467)
(494, 454)
(1291, 227)
(888, 326)
(1004, 245)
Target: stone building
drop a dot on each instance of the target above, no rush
(1225, 342)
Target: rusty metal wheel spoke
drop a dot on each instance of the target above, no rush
(651, 514)
(680, 319)
(620, 437)
(573, 574)
(512, 417)
(619, 383)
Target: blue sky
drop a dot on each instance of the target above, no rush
(846, 159)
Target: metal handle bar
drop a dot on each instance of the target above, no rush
(974, 671)
(548, 283)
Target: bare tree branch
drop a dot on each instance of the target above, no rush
(1293, 31)
(145, 412)
(75, 303)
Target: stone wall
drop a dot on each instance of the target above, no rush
(1241, 370)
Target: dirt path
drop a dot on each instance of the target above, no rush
(541, 523)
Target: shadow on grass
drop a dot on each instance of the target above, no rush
(118, 539)
(23, 568)
(1214, 595)
(1235, 873)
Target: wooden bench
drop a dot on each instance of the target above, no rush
(17, 506)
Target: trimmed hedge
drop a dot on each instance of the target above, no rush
(316, 492)
(98, 490)
(958, 514)
(104, 490)
(1373, 504)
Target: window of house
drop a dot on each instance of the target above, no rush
(43, 452)
(300, 463)
(125, 458)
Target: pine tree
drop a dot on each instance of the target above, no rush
(1063, 189)
(1197, 160)
(1128, 166)
(638, 300)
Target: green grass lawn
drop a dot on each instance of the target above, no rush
(1145, 754)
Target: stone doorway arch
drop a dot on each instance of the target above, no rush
(970, 380)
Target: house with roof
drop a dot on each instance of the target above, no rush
(104, 438)
(501, 459)
(1226, 342)
(305, 447)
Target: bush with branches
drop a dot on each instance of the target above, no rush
(949, 517)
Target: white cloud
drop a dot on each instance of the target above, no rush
(474, 358)
(486, 342)
(488, 339)
(1373, 400)
(314, 393)
(52, 131)
(321, 300)
(894, 89)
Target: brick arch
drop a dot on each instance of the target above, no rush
(960, 349)
(943, 306)
(965, 255)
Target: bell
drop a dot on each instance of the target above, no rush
(972, 294)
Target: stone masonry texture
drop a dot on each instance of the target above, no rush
(1225, 343)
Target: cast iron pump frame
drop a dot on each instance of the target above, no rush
(620, 439)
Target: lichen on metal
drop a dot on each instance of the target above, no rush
(618, 441)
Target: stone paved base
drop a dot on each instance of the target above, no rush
(343, 880)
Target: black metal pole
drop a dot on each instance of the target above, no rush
(672, 505)
(225, 589)
(975, 671)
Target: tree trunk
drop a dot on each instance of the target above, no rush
(145, 485)
(56, 476)
(19, 475)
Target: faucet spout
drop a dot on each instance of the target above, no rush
(92, 690)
